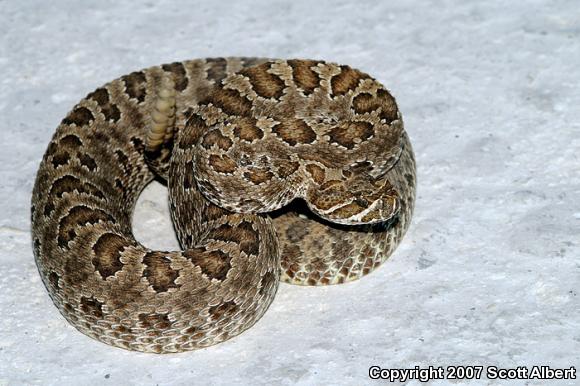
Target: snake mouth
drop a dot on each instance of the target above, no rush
(354, 203)
(353, 213)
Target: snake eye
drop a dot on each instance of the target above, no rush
(361, 166)
(361, 202)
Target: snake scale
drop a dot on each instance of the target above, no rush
(277, 170)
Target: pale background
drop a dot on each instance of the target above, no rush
(489, 272)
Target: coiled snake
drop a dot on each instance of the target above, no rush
(294, 170)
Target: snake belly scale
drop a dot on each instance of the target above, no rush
(291, 170)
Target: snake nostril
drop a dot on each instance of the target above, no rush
(244, 160)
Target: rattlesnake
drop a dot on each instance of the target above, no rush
(320, 146)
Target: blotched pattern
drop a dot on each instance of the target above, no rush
(241, 135)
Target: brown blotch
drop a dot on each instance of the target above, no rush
(189, 178)
(179, 74)
(258, 176)
(192, 330)
(286, 168)
(267, 282)
(80, 116)
(388, 106)
(291, 255)
(92, 307)
(154, 321)
(243, 235)
(69, 184)
(217, 69)
(222, 164)
(246, 129)
(213, 264)
(122, 158)
(226, 309)
(123, 329)
(52, 148)
(215, 137)
(48, 208)
(36, 246)
(88, 162)
(137, 144)
(410, 179)
(195, 129)
(108, 249)
(348, 210)
(100, 95)
(53, 280)
(135, 85)
(318, 174)
(347, 80)
(159, 272)
(312, 279)
(346, 136)
(304, 77)
(60, 158)
(112, 113)
(70, 142)
(294, 132)
(248, 62)
(265, 84)
(109, 110)
(213, 212)
(79, 215)
(365, 103)
(229, 101)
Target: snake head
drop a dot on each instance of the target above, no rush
(355, 202)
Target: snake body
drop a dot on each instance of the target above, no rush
(294, 170)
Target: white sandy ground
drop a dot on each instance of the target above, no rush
(489, 273)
